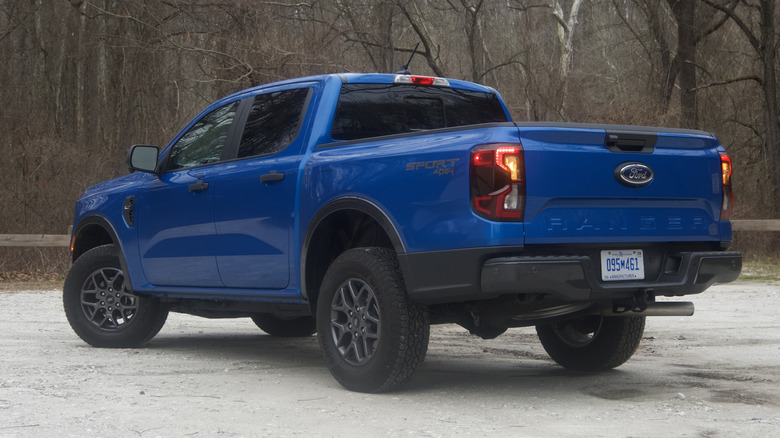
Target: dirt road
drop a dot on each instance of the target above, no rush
(715, 374)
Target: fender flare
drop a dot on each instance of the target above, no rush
(348, 203)
(100, 221)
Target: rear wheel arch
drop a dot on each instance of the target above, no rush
(341, 225)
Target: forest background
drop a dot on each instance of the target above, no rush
(82, 80)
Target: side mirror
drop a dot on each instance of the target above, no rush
(142, 157)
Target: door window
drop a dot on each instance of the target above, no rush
(273, 122)
(204, 141)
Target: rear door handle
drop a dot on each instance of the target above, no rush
(198, 186)
(272, 176)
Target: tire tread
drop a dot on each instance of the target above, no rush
(616, 342)
(412, 321)
(149, 320)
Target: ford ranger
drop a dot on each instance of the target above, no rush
(366, 207)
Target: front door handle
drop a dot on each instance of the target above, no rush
(198, 186)
(272, 176)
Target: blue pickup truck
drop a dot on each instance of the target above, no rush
(366, 207)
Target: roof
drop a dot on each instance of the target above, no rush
(350, 78)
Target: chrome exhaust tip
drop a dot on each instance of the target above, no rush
(666, 308)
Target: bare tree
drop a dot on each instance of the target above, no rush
(757, 24)
(83, 79)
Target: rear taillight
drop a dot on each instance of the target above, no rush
(727, 205)
(498, 181)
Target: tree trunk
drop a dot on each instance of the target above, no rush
(81, 58)
(764, 45)
(386, 26)
(474, 40)
(684, 12)
(668, 64)
(772, 133)
(566, 34)
(566, 29)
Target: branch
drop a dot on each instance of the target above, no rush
(222, 5)
(557, 14)
(496, 67)
(715, 26)
(425, 42)
(738, 21)
(524, 8)
(751, 5)
(167, 37)
(631, 28)
(731, 81)
(745, 125)
(395, 49)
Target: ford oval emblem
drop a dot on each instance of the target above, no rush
(634, 174)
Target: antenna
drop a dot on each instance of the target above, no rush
(404, 70)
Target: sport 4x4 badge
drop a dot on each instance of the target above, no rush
(439, 167)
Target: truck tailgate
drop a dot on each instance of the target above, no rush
(575, 193)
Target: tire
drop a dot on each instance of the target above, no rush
(100, 307)
(592, 343)
(373, 337)
(300, 327)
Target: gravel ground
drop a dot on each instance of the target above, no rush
(715, 374)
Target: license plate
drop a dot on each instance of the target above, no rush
(625, 264)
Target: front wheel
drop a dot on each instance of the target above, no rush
(100, 307)
(372, 335)
(592, 343)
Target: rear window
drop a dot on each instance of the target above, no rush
(273, 122)
(372, 110)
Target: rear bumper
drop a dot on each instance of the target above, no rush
(482, 273)
(578, 277)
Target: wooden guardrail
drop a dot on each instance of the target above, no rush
(756, 225)
(36, 239)
(64, 239)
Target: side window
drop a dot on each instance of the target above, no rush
(273, 122)
(203, 142)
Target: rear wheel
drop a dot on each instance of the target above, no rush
(592, 343)
(300, 327)
(100, 307)
(372, 335)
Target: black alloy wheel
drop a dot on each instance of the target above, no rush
(373, 337)
(102, 309)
